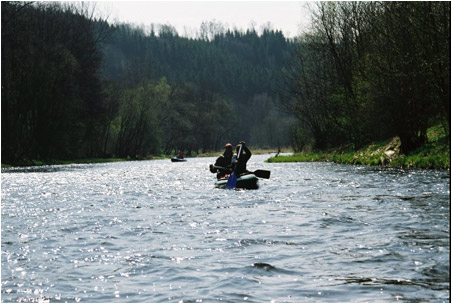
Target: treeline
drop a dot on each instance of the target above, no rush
(225, 84)
(371, 70)
(76, 87)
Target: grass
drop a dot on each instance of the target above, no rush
(435, 154)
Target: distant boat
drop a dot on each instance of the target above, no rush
(177, 159)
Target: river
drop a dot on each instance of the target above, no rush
(156, 231)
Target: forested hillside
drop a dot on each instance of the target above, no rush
(77, 87)
(225, 85)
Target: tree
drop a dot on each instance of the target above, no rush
(411, 62)
(50, 90)
(370, 70)
(140, 117)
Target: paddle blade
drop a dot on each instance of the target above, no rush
(262, 173)
(232, 181)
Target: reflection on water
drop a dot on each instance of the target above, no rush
(156, 231)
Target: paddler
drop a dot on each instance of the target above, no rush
(223, 163)
(240, 159)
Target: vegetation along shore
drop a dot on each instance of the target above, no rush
(434, 154)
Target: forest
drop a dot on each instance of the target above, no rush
(76, 86)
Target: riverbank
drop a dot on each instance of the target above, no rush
(435, 154)
(66, 162)
(75, 161)
(255, 151)
(110, 160)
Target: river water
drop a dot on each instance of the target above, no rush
(156, 231)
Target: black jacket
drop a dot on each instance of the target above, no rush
(222, 161)
(240, 165)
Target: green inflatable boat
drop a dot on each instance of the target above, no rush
(247, 181)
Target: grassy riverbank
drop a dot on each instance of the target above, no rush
(435, 154)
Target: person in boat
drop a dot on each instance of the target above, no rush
(279, 150)
(239, 162)
(223, 161)
(180, 155)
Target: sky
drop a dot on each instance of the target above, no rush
(187, 16)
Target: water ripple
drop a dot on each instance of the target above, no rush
(156, 231)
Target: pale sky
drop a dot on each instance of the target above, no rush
(287, 16)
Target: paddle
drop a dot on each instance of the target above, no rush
(258, 173)
(262, 173)
(232, 180)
